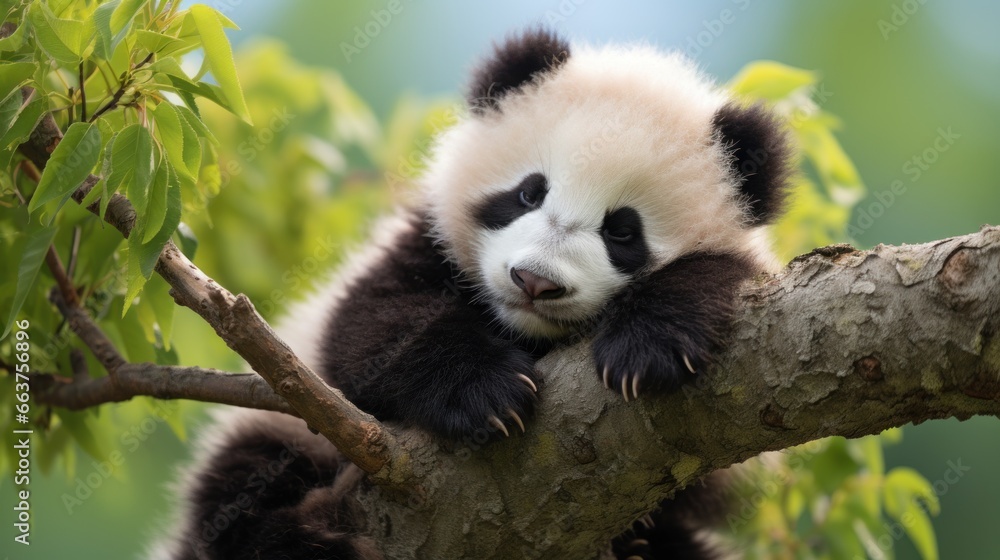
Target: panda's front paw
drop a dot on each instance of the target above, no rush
(497, 402)
(634, 359)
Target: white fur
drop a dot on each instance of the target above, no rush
(612, 127)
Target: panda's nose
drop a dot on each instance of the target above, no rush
(537, 287)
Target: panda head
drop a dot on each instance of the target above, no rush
(577, 172)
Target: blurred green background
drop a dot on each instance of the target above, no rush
(898, 74)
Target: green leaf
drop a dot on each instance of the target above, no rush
(13, 75)
(123, 14)
(62, 39)
(38, 239)
(25, 121)
(69, 165)
(179, 139)
(187, 240)
(142, 257)
(132, 164)
(870, 449)
(196, 123)
(156, 210)
(220, 57)
(102, 25)
(835, 169)
(892, 435)
(904, 490)
(131, 337)
(157, 293)
(162, 45)
(8, 109)
(110, 21)
(833, 466)
(78, 425)
(770, 80)
(921, 532)
(210, 92)
(211, 172)
(15, 40)
(902, 486)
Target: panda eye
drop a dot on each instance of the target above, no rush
(618, 234)
(529, 199)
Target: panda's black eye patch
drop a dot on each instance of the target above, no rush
(622, 233)
(500, 209)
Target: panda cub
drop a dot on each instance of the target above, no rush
(611, 192)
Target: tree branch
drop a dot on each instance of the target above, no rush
(162, 382)
(842, 342)
(358, 435)
(88, 331)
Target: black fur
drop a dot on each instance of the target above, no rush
(502, 208)
(274, 491)
(410, 345)
(681, 309)
(624, 240)
(760, 157)
(513, 64)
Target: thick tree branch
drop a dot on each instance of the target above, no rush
(842, 342)
(356, 434)
(163, 382)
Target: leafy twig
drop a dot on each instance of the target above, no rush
(116, 97)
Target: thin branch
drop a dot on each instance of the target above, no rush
(78, 365)
(66, 287)
(162, 382)
(83, 96)
(112, 103)
(88, 331)
(117, 96)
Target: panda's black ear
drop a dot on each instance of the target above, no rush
(514, 63)
(760, 157)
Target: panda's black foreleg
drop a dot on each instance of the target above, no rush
(661, 331)
(443, 371)
(451, 377)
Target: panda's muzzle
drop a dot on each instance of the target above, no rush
(537, 287)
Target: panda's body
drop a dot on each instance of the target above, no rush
(611, 192)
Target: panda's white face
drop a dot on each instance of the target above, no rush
(582, 182)
(549, 268)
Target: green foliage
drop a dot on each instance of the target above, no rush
(112, 75)
(269, 207)
(831, 498)
(816, 216)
